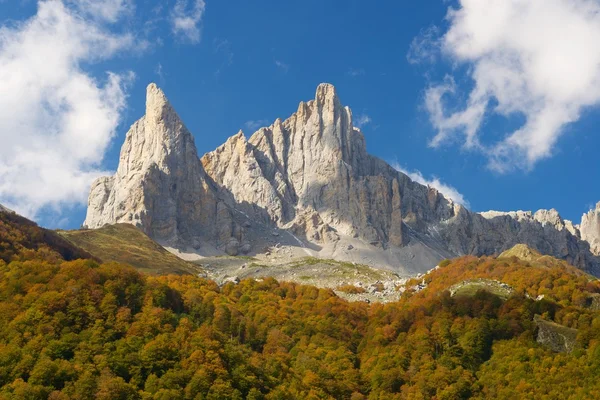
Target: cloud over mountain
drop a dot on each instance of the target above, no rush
(537, 59)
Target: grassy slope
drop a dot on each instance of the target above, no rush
(124, 243)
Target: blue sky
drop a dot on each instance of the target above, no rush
(230, 64)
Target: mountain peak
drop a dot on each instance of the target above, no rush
(590, 228)
(326, 89)
(327, 94)
(157, 103)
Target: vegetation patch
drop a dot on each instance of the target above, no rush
(343, 269)
(21, 238)
(471, 287)
(124, 243)
(522, 252)
(351, 289)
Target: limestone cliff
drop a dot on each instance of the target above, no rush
(312, 170)
(308, 180)
(160, 185)
(590, 229)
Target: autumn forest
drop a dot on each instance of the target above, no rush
(72, 328)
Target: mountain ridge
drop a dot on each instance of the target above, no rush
(305, 182)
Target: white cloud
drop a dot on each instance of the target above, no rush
(186, 17)
(424, 47)
(254, 125)
(159, 71)
(223, 46)
(354, 72)
(447, 190)
(362, 120)
(283, 66)
(56, 120)
(539, 59)
(108, 10)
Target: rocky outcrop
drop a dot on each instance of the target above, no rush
(590, 229)
(161, 187)
(494, 232)
(312, 170)
(308, 179)
(557, 338)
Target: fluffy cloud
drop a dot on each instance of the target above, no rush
(539, 59)
(447, 190)
(56, 120)
(186, 17)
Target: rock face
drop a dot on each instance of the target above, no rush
(544, 231)
(310, 178)
(590, 229)
(557, 338)
(160, 185)
(311, 173)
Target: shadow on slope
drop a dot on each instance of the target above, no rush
(19, 235)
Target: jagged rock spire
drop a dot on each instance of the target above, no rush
(160, 184)
(590, 228)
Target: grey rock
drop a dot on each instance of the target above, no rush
(232, 279)
(246, 248)
(312, 173)
(590, 229)
(160, 185)
(556, 337)
(311, 176)
(233, 247)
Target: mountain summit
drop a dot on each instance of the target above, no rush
(307, 183)
(160, 185)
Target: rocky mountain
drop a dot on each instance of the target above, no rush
(160, 184)
(590, 229)
(306, 183)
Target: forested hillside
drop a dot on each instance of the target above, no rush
(21, 238)
(79, 330)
